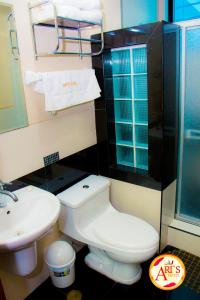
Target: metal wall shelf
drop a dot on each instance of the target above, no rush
(62, 24)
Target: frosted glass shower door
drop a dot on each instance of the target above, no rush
(188, 199)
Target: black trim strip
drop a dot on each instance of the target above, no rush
(171, 11)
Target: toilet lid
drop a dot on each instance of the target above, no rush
(125, 231)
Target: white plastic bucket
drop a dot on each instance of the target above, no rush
(60, 258)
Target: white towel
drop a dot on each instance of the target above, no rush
(81, 4)
(63, 89)
(90, 4)
(35, 79)
(35, 2)
(32, 77)
(46, 12)
(93, 15)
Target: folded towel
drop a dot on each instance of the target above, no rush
(35, 2)
(81, 4)
(93, 15)
(63, 89)
(89, 4)
(32, 77)
(46, 12)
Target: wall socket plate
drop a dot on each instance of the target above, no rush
(51, 159)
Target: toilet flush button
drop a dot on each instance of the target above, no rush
(86, 186)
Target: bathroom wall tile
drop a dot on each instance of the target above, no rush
(112, 18)
(133, 176)
(101, 125)
(168, 210)
(183, 240)
(103, 158)
(141, 202)
(22, 151)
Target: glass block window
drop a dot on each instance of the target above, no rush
(122, 87)
(129, 90)
(186, 10)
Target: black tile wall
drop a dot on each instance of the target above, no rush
(62, 174)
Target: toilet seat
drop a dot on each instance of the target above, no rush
(125, 231)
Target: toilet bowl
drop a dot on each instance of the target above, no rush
(118, 242)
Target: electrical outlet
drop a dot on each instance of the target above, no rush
(51, 159)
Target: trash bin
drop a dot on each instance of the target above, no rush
(60, 258)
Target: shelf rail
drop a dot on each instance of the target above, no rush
(59, 23)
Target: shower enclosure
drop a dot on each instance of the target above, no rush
(12, 102)
(188, 180)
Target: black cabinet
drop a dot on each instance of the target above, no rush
(137, 115)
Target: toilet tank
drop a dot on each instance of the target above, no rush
(82, 203)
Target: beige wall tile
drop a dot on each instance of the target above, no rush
(112, 14)
(22, 151)
(168, 211)
(184, 241)
(136, 200)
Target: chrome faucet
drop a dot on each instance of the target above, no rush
(9, 194)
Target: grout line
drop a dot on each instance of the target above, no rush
(133, 107)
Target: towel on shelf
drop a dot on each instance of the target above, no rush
(81, 4)
(94, 15)
(42, 13)
(63, 89)
(46, 12)
(42, 2)
(89, 4)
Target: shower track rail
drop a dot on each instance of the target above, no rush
(62, 23)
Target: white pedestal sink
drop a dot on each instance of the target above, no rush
(22, 223)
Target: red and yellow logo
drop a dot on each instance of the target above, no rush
(167, 272)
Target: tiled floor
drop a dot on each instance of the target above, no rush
(94, 286)
(192, 265)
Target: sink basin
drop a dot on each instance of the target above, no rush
(28, 219)
(22, 223)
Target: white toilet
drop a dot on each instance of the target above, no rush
(118, 242)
